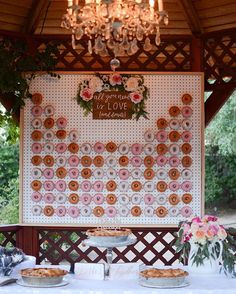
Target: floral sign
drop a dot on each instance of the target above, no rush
(113, 96)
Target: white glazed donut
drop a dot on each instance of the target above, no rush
(48, 147)
(187, 124)
(149, 136)
(123, 148)
(36, 210)
(98, 173)
(161, 174)
(174, 149)
(123, 211)
(186, 174)
(174, 124)
(85, 211)
(173, 211)
(111, 161)
(149, 186)
(136, 199)
(124, 199)
(61, 198)
(74, 136)
(61, 161)
(149, 149)
(148, 211)
(86, 148)
(36, 123)
(161, 199)
(123, 186)
(136, 173)
(49, 135)
(49, 110)
(36, 173)
(111, 173)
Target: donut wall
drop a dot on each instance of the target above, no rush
(80, 171)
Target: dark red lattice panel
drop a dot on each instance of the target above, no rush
(8, 238)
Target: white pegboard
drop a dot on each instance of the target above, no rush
(166, 90)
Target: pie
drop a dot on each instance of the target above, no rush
(104, 232)
(163, 273)
(43, 272)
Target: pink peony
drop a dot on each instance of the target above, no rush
(196, 220)
(222, 233)
(86, 94)
(115, 79)
(136, 97)
(210, 218)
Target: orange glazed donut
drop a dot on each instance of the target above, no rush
(36, 135)
(48, 123)
(174, 199)
(61, 172)
(187, 99)
(86, 161)
(136, 211)
(98, 211)
(186, 161)
(111, 186)
(48, 160)
(98, 161)
(161, 186)
(111, 147)
(174, 174)
(37, 98)
(36, 160)
(162, 149)
(73, 147)
(74, 198)
(161, 211)
(149, 161)
(124, 160)
(174, 111)
(187, 198)
(111, 199)
(186, 148)
(136, 186)
(149, 174)
(61, 134)
(174, 136)
(73, 185)
(86, 173)
(48, 210)
(162, 123)
(36, 185)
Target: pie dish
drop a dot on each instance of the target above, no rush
(108, 235)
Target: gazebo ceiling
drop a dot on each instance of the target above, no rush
(186, 17)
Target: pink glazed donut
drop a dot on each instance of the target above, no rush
(61, 211)
(187, 111)
(73, 211)
(149, 199)
(86, 198)
(48, 185)
(174, 161)
(186, 186)
(186, 211)
(36, 148)
(61, 147)
(61, 122)
(136, 149)
(136, 161)
(174, 186)
(86, 186)
(36, 197)
(73, 173)
(162, 160)
(36, 110)
(98, 198)
(48, 173)
(161, 136)
(98, 186)
(73, 160)
(99, 147)
(61, 186)
(48, 198)
(124, 174)
(186, 136)
(110, 211)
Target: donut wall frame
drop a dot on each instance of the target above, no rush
(159, 181)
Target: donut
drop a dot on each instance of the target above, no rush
(124, 199)
(48, 185)
(98, 186)
(174, 149)
(161, 160)
(123, 148)
(186, 186)
(149, 186)
(86, 186)
(61, 147)
(61, 211)
(161, 199)
(86, 173)
(61, 172)
(149, 174)
(136, 149)
(174, 199)
(111, 185)
(186, 111)
(48, 160)
(186, 136)
(61, 122)
(174, 174)
(161, 211)
(73, 147)
(86, 198)
(187, 124)
(61, 198)
(186, 148)
(162, 149)
(85, 211)
(186, 211)
(36, 197)
(148, 211)
(161, 174)
(73, 160)
(174, 111)
(98, 198)
(74, 136)
(36, 185)
(73, 211)
(136, 211)
(111, 147)
(98, 173)
(149, 149)
(187, 99)
(111, 211)
(48, 210)
(98, 211)
(161, 136)
(174, 124)
(111, 173)
(136, 186)
(36, 148)
(36, 110)
(37, 98)
(98, 161)
(174, 186)
(186, 161)
(73, 173)
(123, 211)
(123, 174)
(48, 147)
(36, 210)
(36, 160)
(49, 110)
(123, 160)
(162, 123)
(161, 186)
(61, 161)
(36, 135)
(174, 161)
(60, 186)
(48, 123)
(111, 199)
(149, 199)
(61, 134)
(173, 211)
(36, 123)
(186, 174)
(123, 186)
(86, 160)
(149, 136)
(111, 161)
(86, 148)
(136, 199)
(136, 161)
(174, 136)
(48, 173)
(136, 173)
(73, 198)
(99, 147)
(49, 198)
(187, 198)
(49, 135)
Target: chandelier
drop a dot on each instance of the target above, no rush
(115, 26)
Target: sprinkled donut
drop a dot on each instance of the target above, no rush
(73, 198)
(61, 134)
(161, 199)
(111, 147)
(49, 135)
(48, 210)
(36, 197)
(48, 173)
(174, 199)
(74, 136)
(37, 98)
(98, 211)
(123, 186)
(136, 186)
(36, 135)
(174, 111)
(161, 160)
(186, 111)
(36, 110)
(73, 185)
(149, 149)
(61, 122)
(61, 161)
(61, 172)
(161, 136)
(98, 161)
(73, 160)
(36, 210)
(136, 211)
(48, 147)
(173, 211)
(123, 174)
(86, 198)
(36, 123)
(148, 211)
(86, 173)
(174, 149)
(123, 160)
(136, 161)
(61, 147)
(99, 147)
(186, 161)
(162, 123)
(73, 211)
(186, 211)
(174, 186)
(174, 174)
(186, 186)
(187, 124)
(149, 174)
(49, 110)
(174, 124)
(60, 186)
(149, 186)
(61, 198)
(86, 186)
(186, 174)
(149, 136)
(161, 174)
(36, 173)
(174, 161)
(48, 160)
(60, 211)
(98, 186)
(111, 186)
(111, 199)
(187, 99)
(86, 148)
(73, 147)
(161, 186)
(123, 148)
(136, 149)
(48, 198)
(136, 199)
(48, 123)
(36, 160)
(98, 173)
(111, 161)
(161, 211)
(149, 199)
(186, 148)
(86, 161)
(136, 173)
(111, 173)
(111, 211)
(124, 199)
(162, 149)
(36, 185)
(85, 211)
(123, 211)
(48, 185)
(174, 136)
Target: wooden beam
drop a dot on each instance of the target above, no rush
(35, 13)
(192, 17)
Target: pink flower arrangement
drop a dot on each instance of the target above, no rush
(115, 79)
(86, 94)
(136, 97)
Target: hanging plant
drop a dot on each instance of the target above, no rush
(133, 84)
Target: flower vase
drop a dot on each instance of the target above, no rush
(210, 265)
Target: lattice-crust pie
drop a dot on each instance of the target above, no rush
(103, 232)
(163, 273)
(43, 272)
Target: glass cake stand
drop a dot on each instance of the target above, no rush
(109, 245)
